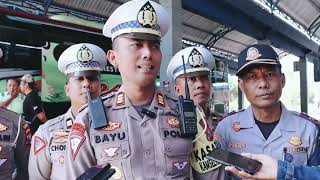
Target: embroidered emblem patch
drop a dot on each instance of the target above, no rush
(173, 122)
(60, 136)
(120, 99)
(39, 144)
(236, 126)
(84, 54)
(179, 165)
(195, 59)
(253, 54)
(295, 140)
(147, 16)
(160, 100)
(61, 159)
(3, 127)
(112, 126)
(76, 141)
(76, 138)
(111, 151)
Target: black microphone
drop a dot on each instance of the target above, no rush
(149, 113)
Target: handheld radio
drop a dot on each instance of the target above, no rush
(187, 112)
(96, 112)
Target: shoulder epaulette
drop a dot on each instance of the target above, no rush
(231, 113)
(171, 97)
(53, 121)
(307, 117)
(113, 89)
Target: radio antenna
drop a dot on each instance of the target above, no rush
(186, 87)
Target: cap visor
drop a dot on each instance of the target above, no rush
(248, 66)
(193, 74)
(84, 73)
(142, 36)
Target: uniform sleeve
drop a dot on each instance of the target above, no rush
(22, 149)
(314, 150)
(221, 135)
(39, 160)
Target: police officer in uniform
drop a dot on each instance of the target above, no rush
(81, 64)
(198, 63)
(142, 139)
(266, 126)
(15, 136)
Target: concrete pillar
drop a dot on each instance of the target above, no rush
(303, 84)
(171, 42)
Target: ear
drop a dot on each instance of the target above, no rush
(66, 89)
(177, 90)
(240, 82)
(112, 57)
(283, 80)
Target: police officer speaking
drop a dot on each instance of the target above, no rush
(81, 64)
(142, 139)
(15, 137)
(266, 126)
(198, 64)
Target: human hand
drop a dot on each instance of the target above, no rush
(268, 170)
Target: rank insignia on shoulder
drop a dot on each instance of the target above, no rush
(160, 100)
(39, 145)
(230, 114)
(69, 122)
(173, 122)
(295, 140)
(3, 127)
(236, 126)
(307, 117)
(120, 100)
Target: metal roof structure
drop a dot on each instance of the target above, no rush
(224, 25)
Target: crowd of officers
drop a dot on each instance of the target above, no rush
(142, 138)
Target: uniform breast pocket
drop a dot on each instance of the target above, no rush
(178, 153)
(112, 151)
(299, 155)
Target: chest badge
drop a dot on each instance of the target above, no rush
(180, 165)
(236, 126)
(173, 122)
(112, 126)
(111, 151)
(3, 127)
(60, 136)
(295, 140)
